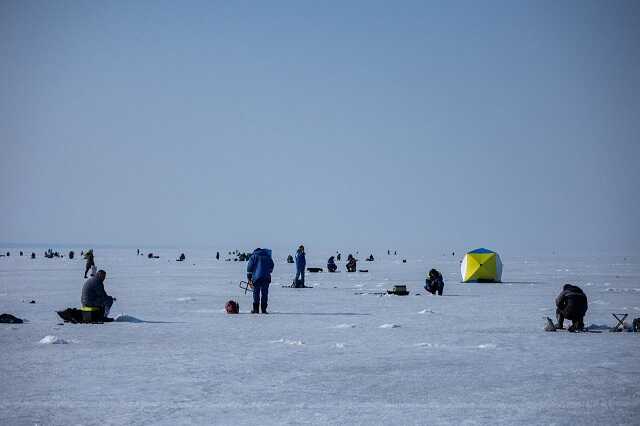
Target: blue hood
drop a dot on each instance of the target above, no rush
(262, 252)
(260, 264)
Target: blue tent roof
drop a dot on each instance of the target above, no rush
(481, 250)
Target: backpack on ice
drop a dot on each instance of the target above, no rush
(232, 307)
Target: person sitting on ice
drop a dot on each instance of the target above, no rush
(351, 263)
(95, 296)
(434, 282)
(370, 258)
(259, 269)
(331, 265)
(571, 304)
(181, 258)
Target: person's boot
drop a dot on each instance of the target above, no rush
(560, 323)
(255, 309)
(264, 308)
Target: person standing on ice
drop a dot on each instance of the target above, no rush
(259, 269)
(95, 296)
(301, 263)
(91, 264)
(571, 304)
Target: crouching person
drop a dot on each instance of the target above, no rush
(259, 271)
(96, 303)
(331, 265)
(351, 263)
(434, 283)
(571, 304)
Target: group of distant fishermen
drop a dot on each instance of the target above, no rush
(33, 255)
(571, 303)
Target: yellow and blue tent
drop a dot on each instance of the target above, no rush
(481, 265)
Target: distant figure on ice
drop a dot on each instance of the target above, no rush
(259, 271)
(434, 282)
(331, 265)
(217, 255)
(338, 257)
(91, 264)
(95, 296)
(181, 258)
(301, 263)
(571, 304)
(290, 259)
(351, 263)
(33, 255)
(370, 258)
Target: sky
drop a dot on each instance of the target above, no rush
(430, 126)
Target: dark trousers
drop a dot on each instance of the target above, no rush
(106, 307)
(88, 267)
(577, 321)
(434, 287)
(261, 291)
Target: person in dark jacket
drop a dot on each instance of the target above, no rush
(95, 296)
(434, 282)
(351, 263)
(259, 271)
(571, 304)
(331, 265)
(301, 263)
(91, 264)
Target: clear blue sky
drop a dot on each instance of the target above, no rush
(431, 125)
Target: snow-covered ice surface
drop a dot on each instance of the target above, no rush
(477, 355)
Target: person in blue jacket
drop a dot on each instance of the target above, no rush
(301, 263)
(259, 271)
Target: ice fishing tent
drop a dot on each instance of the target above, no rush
(481, 265)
